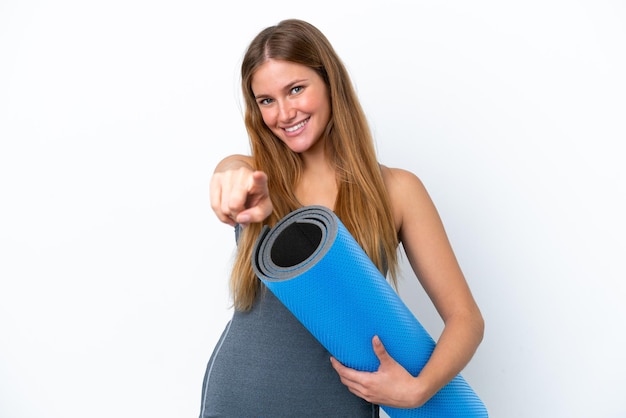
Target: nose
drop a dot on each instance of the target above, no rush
(286, 111)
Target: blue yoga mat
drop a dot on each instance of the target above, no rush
(319, 272)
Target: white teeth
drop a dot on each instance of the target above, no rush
(298, 126)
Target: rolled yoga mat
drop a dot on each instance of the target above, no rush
(319, 272)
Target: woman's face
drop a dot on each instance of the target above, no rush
(294, 103)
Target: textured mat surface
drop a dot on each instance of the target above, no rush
(318, 271)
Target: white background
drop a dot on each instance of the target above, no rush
(113, 114)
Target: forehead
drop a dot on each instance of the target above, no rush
(278, 74)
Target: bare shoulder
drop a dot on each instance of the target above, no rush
(408, 196)
(403, 186)
(399, 178)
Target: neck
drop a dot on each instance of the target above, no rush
(318, 183)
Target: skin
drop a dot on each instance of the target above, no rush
(289, 94)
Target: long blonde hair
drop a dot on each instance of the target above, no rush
(362, 202)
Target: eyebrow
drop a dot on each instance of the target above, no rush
(287, 87)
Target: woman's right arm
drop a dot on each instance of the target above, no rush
(239, 193)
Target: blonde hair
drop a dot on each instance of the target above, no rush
(362, 202)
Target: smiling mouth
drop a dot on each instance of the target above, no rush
(298, 126)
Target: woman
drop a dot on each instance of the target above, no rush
(311, 145)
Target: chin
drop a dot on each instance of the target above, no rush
(298, 147)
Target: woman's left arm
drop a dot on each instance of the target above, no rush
(433, 261)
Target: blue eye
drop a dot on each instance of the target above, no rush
(296, 89)
(264, 102)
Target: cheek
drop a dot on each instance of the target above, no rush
(268, 117)
(323, 109)
(321, 104)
